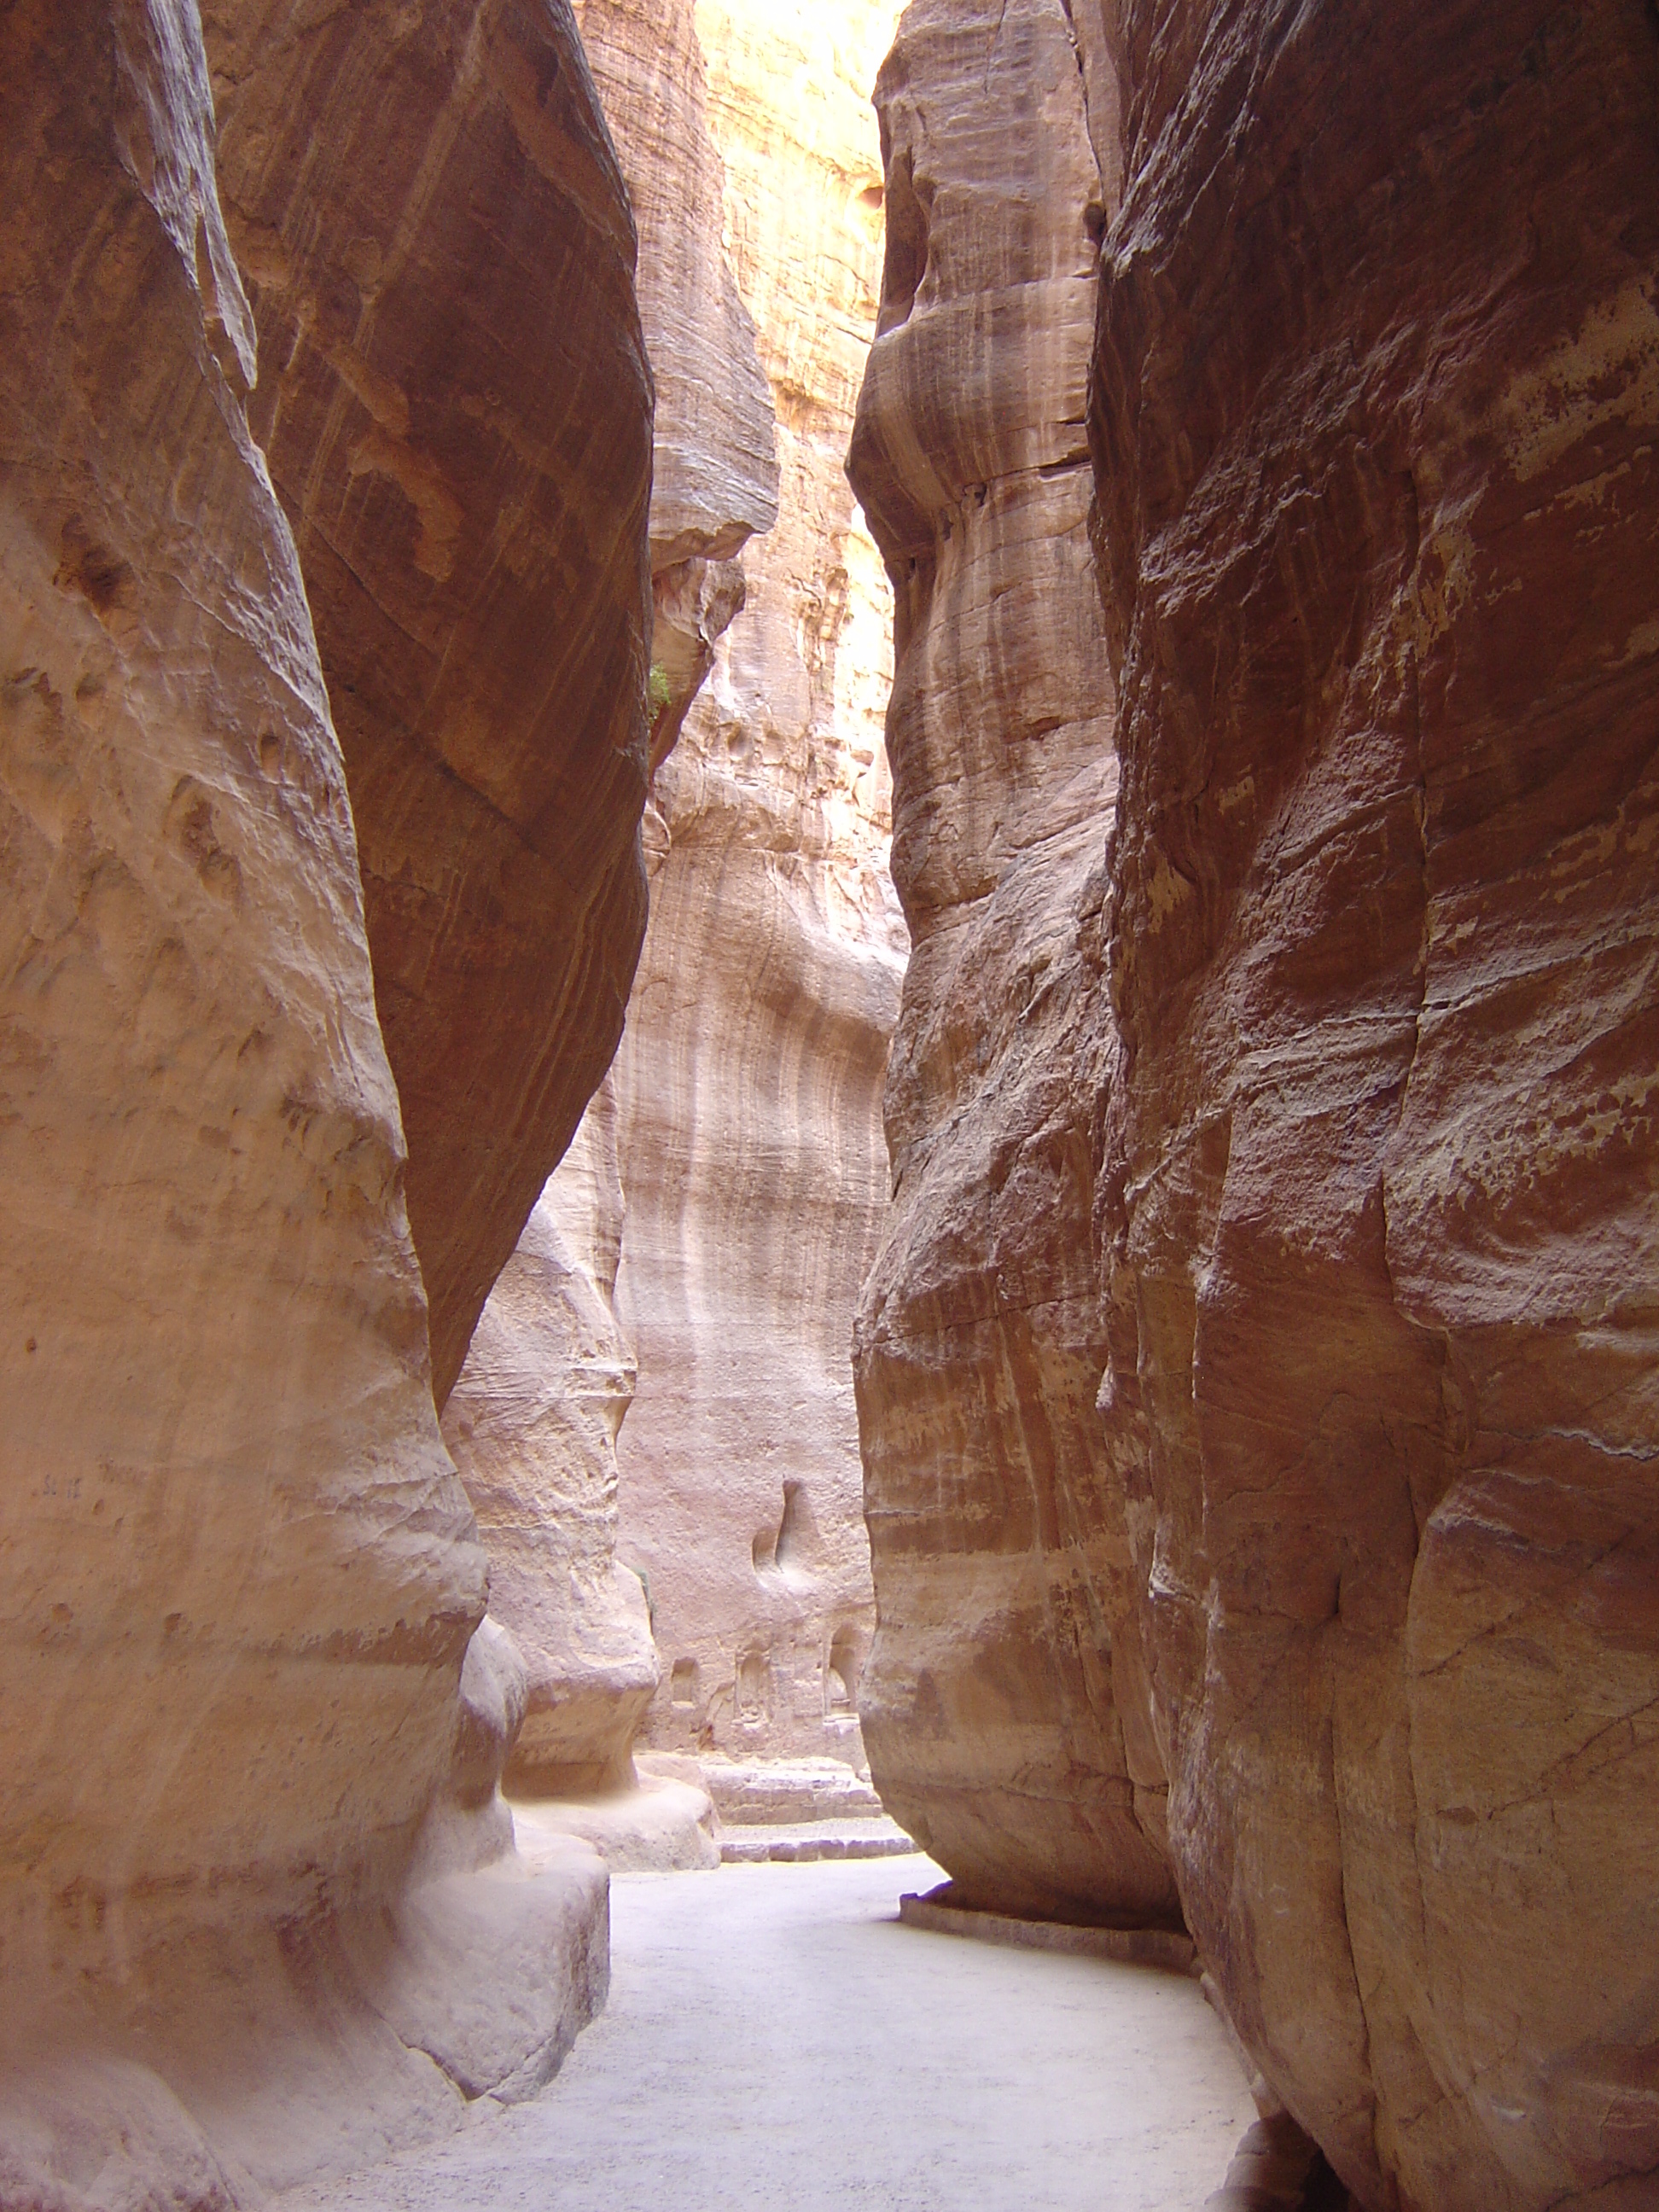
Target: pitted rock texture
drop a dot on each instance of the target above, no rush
(714, 472)
(1374, 411)
(532, 1423)
(714, 479)
(1005, 1704)
(454, 401)
(748, 1081)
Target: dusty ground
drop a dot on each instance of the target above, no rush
(775, 2039)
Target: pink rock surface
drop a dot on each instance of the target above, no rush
(455, 404)
(1004, 1704)
(1374, 415)
(258, 1915)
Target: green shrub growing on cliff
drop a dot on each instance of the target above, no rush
(657, 688)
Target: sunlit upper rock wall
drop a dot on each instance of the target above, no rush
(748, 1083)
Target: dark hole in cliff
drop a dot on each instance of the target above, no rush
(99, 574)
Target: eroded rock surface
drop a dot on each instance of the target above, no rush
(744, 1095)
(455, 404)
(714, 479)
(535, 1417)
(1008, 1637)
(748, 1080)
(1375, 412)
(259, 1915)
(532, 1423)
(230, 1514)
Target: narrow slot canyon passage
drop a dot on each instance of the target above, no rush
(828, 1031)
(776, 2041)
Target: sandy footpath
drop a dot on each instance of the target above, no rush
(775, 2039)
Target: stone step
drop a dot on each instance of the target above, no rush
(805, 1840)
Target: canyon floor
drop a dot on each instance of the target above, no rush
(774, 2038)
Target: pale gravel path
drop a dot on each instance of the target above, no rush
(776, 2041)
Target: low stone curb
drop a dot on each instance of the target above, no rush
(1127, 1947)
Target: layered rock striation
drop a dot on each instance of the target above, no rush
(235, 1545)
(747, 1084)
(532, 1423)
(1362, 1090)
(259, 1913)
(455, 405)
(744, 1096)
(1005, 1707)
(534, 1419)
(714, 480)
(1373, 419)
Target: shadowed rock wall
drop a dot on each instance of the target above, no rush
(1005, 1707)
(258, 1913)
(1372, 417)
(456, 407)
(1374, 412)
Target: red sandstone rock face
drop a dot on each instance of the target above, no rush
(1375, 413)
(237, 1573)
(1004, 1704)
(455, 404)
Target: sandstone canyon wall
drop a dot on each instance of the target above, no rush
(1366, 1079)
(1374, 415)
(748, 1078)
(455, 405)
(532, 1423)
(250, 1736)
(534, 1417)
(1005, 1707)
(745, 1090)
(714, 478)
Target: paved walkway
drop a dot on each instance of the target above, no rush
(775, 2039)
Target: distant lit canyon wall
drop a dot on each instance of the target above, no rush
(1351, 1046)
(725, 1184)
